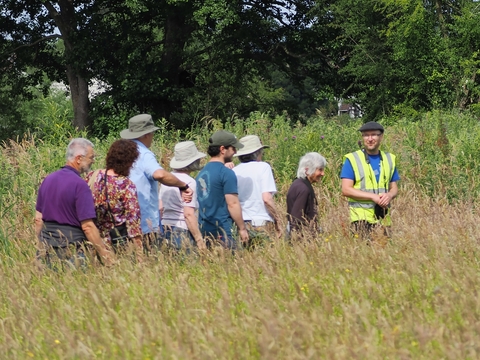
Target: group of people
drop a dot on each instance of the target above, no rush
(121, 208)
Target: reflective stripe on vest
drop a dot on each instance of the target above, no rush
(365, 180)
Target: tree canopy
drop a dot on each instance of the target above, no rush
(185, 59)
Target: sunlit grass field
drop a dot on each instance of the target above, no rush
(333, 297)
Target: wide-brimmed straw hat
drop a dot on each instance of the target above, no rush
(251, 144)
(138, 126)
(185, 154)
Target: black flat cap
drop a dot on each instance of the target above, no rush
(372, 125)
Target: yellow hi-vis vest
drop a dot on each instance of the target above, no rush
(365, 180)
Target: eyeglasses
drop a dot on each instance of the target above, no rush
(92, 158)
(371, 135)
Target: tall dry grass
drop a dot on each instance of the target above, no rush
(332, 297)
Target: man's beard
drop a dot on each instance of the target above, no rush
(85, 169)
(228, 159)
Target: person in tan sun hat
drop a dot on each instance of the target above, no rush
(179, 219)
(256, 187)
(145, 173)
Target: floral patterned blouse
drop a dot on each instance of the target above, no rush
(123, 200)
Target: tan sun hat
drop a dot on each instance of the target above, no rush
(185, 154)
(138, 126)
(251, 144)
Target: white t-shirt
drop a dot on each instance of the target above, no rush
(254, 178)
(173, 204)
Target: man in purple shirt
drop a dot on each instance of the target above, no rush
(65, 210)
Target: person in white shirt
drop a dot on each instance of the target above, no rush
(179, 219)
(256, 187)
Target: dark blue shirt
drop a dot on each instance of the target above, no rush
(213, 183)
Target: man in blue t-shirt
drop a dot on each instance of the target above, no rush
(217, 193)
(369, 180)
(145, 174)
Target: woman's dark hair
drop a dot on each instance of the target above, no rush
(121, 156)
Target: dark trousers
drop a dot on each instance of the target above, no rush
(365, 230)
(72, 256)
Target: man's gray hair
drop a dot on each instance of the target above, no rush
(195, 166)
(250, 157)
(78, 146)
(309, 163)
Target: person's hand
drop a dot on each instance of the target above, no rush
(376, 199)
(201, 244)
(187, 195)
(107, 258)
(230, 165)
(279, 232)
(243, 235)
(384, 200)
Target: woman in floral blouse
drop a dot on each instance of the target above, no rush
(122, 206)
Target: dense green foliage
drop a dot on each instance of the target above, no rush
(330, 297)
(409, 56)
(187, 60)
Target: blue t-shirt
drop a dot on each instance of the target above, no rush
(348, 173)
(213, 183)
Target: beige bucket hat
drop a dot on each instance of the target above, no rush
(185, 153)
(138, 126)
(251, 144)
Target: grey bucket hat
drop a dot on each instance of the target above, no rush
(251, 144)
(185, 154)
(138, 126)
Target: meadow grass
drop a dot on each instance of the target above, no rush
(332, 297)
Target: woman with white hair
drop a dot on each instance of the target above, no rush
(302, 207)
(179, 219)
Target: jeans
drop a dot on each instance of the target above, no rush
(178, 238)
(151, 242)
(222, 239)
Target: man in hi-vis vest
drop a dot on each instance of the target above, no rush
(369, 181)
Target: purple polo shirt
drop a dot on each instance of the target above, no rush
(64, 197)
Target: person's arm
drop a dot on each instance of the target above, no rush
(349, 191)
(235, 211)
(169, 179)
(272, 209)
(386, 198)
(192, 225)
(38, 223)
(38, 230)
(93, 236)
(160, 207)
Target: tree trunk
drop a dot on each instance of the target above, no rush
(67, 24)
(79, 93)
